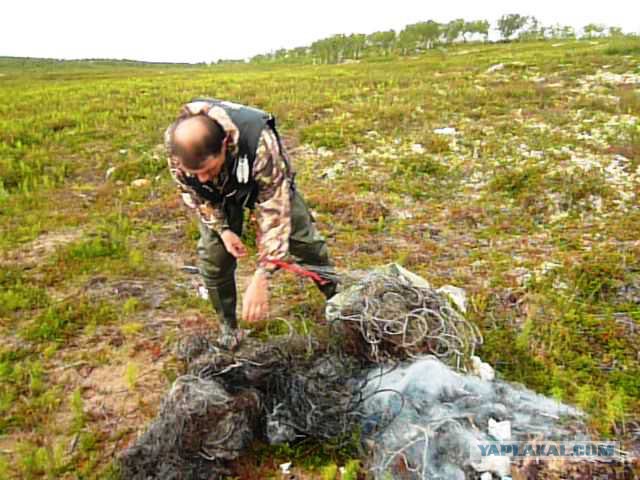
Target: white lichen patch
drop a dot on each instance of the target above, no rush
(610, 78)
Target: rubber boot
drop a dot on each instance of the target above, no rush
(224, 300)
(328, 289)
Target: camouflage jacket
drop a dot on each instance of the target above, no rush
(273, 203)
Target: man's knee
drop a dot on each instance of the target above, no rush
(305, 242)
(311, 252)
(216, 264)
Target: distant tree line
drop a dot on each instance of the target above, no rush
(422, 36)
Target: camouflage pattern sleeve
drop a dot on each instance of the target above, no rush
(273, 204)
(210, 215)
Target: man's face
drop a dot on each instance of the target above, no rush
(210, 169)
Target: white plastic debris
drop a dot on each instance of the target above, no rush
(457, 295)
(482, 369)
(495, 68)
(109, 172)
(486, 476)
(501, 431)
(284, 468)
(190, 269)
(498, 465)
(203, 293)
(445, 131)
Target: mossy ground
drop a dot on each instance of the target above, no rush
(531, 206)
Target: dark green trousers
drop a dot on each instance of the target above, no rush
(218, 266)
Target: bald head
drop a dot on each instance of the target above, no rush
(195, 138)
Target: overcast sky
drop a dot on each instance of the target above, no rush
(195, 31)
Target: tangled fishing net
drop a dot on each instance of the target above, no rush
(433, 416)
(397, 375)
(393, 314)
(280, 391)
(199, 426)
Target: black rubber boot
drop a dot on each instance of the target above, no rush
(224, 300)
(328, 289)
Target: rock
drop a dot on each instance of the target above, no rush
(445, 131)
(324, 152)
(417, 148)
(495, 68)
(141, 183)
(403, 214)
(630, 292)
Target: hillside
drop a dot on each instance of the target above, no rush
(510, 170)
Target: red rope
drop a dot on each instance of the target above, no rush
(298, 270)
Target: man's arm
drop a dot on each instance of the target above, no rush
(273, 206)
(273, 212)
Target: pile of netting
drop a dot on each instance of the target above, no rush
(391, 314)
(278, 391)
(382, 375)
(200, 425)
(432, 417)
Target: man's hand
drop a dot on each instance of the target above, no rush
(255, 304)
(233, 244)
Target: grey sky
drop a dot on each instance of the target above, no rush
(193, 30)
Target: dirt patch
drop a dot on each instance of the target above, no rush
(150, 293)
(33, 252)
(126, 392)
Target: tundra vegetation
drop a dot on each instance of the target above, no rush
(511, 170)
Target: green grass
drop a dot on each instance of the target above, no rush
(507, 191)
(18, 293)
(625, 45)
